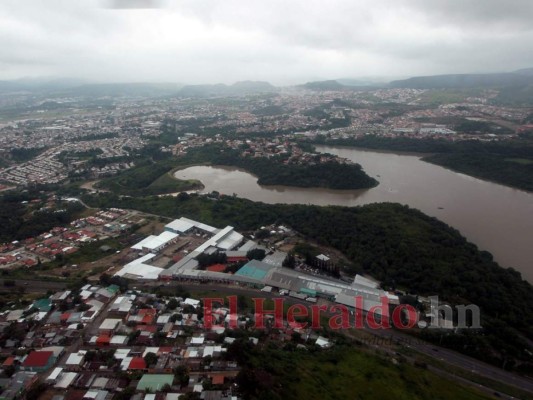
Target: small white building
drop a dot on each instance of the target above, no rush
(109, 325)
(75, 360)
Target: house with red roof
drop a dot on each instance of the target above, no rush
(64, 317)
(38, 361)
(147, 316)
(9, 362)
(217, 379)
(137, 363)
(29, 262)
(71, 236)
(146, 328)
(103, 340)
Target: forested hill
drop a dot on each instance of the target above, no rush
(398, 245)
(155, 177)
(465, 81)
(272, 171)
(237, 89)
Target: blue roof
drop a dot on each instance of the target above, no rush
(43, 304)
(255, 269)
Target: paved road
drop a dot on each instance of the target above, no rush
(33, 286)
(90, 329)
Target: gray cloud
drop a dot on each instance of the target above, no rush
(284, 42)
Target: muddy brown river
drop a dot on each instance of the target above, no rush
(496, 218)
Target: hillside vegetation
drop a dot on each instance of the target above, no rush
(398, 245)
(150, 177)
(272, 171)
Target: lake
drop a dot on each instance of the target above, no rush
(497, 218)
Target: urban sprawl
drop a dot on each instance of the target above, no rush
(132, 327)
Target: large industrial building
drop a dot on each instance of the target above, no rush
(266, 273)
(140, 269)
(154, 244)
(186, 225)
(217, 240)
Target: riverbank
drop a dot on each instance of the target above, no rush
(313, 171)
(508, 163)
(490, 215)
(491, 168)
(151, 179)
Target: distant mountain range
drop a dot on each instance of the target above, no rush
(323, 85)
(498, 80)
(76, 87)
(343, 84)
(518, 83)
(38, 84)
(125, 89)
(67, 87)
(237, 89)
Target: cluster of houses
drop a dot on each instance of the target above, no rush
(63, 241)
(78, 133)
(43, 169)
(98, 342)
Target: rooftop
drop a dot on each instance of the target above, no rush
(38, 359)
(154, 382)
(255, 269)
(153, 242)
(137, 363)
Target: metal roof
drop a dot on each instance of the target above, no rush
(153, 242)
(155, 382)
(255, 269)
(138, 269)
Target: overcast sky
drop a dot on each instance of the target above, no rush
(281, 41)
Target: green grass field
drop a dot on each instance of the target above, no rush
(167, 181)
(147, 180)
(345, 372)
(446, 96)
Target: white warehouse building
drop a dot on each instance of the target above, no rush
(154, 244)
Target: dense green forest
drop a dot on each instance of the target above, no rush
(516, 172)
(272, 171)
(398, 245)
(20, 221)
(22, 154)
(507, 162)
(146, 178)
(480, 127)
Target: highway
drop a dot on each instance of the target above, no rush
(32, 286)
